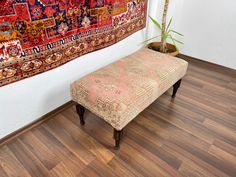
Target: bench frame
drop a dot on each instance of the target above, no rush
(117, 133)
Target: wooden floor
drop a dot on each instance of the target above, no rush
(193, 135)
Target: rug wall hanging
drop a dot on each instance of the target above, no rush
(39, 35)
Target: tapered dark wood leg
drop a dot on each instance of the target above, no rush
(117, 135)
(175, 88)
(80, 110)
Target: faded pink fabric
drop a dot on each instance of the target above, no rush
(120, 91)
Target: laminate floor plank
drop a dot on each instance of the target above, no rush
(28, 159)
(75, 146)
(10, 165)
(120, 168)
(88, 171)
(61, 170)
(189, 158)
(101, 152)
(168, 164)
(73, 163)
(204, 112)
(225, 146)
(223, 166)
(40, 150)
(193, 170)
(221, 154)
(2, 172)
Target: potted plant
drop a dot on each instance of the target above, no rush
(166, 33)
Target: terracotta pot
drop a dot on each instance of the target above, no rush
(156, 45)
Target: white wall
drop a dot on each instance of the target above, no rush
(209, 27)
(27, 100)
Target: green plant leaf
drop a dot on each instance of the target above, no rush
(165, 36)
(168, 26)
(176, 32)
(178, 41)
(155, 22)
(174, 43)
(151, 39)
(168, 32)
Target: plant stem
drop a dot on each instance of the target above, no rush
(163, 40)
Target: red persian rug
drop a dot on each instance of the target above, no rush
(39, 35)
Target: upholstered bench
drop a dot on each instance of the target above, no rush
(118, 92)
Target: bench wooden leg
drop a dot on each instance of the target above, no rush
(117, 135)
(175, 88)
(80, 110)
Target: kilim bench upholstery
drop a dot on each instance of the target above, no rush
(118, 92)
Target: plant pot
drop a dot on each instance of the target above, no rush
(171, 48)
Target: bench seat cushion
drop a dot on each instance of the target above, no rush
(118, 92)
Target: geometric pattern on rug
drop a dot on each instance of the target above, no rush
(39, 35)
